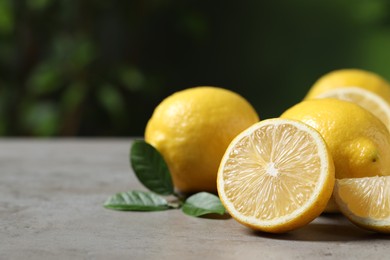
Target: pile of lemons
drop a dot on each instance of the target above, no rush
(330, 152)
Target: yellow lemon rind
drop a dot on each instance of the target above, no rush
(344, 92)
(351, 77)
(192, 128)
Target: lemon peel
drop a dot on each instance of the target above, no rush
(192, 129)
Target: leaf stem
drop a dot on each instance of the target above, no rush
(179, 196)
(175, 204)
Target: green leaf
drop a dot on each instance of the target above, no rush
(203, 203)
(83, 52)
(111, 99)
(45, 79)
(74, 94)
(7, 19)
(136, 201)
(41, 118)
(150, 168)
(132, 78)
(38, 4)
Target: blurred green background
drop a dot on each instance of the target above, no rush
(98, 68)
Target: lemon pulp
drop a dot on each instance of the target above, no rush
(276, 176)
(365, 201)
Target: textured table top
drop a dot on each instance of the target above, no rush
(51, 196)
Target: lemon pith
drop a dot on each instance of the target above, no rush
(276, 176)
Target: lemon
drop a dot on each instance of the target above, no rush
(351, 78)
(364, 98)
(365, 201)
(276, 176)
(192, 129)
(358, 140)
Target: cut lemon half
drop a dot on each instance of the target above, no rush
(364, 98)
(365, 201)
(276, 176)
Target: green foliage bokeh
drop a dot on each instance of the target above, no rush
(98, 68)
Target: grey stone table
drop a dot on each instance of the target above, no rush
(51, 196)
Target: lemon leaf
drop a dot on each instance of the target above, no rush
(150, 168)
(136, 201)
(203, 203)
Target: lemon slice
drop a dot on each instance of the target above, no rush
(365, 201)
(276, 176)
(365, 98)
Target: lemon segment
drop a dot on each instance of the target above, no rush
(364, 98)
(192, 129)
(276, 176)
(365, 201)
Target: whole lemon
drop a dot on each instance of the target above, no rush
(351, 78)
(192, 129)
(358, 141)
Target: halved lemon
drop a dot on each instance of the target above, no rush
(276, 176)
(365, 201)
(364, 98)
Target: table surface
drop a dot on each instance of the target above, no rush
(51, 196)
